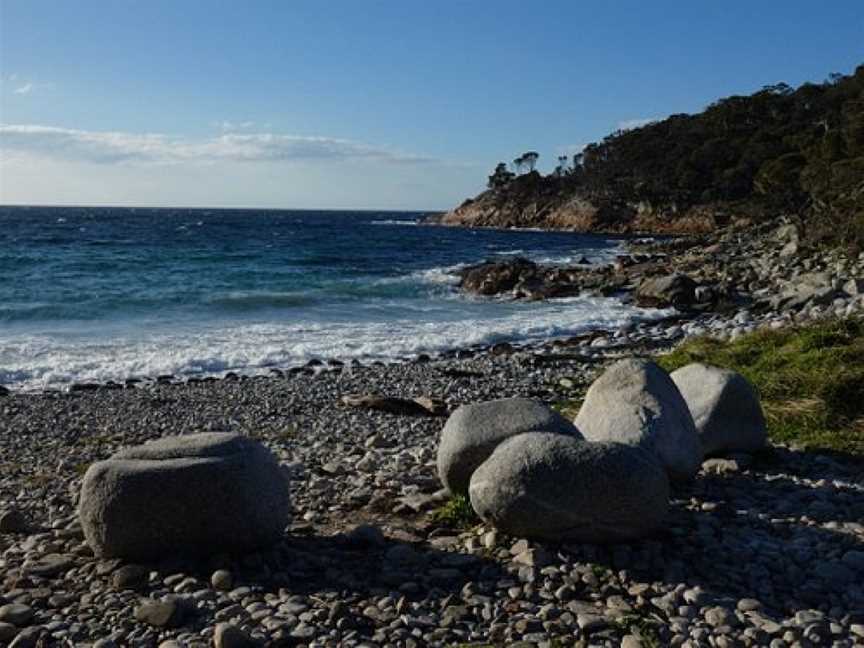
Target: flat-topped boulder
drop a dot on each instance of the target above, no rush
(725, 408)
(636, 402)
(473, 431)
(555, 487)
(191, 495)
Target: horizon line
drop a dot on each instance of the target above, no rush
(218, 208)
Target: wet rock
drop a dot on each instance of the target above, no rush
(496, 277)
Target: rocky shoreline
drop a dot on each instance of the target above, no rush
(762, 550)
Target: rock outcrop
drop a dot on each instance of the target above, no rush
(672, 290)
(725, 408)
(552, 486)
(195, 494)
(473, 431)
(495, 277)
(636, 402)
(534, 201)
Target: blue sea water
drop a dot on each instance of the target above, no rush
(95, 294)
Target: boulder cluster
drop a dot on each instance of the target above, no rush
(532, 473)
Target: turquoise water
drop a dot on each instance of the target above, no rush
(92, 294)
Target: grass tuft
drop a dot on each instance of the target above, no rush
(456, 512)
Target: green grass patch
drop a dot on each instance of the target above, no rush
(456, 512)
(810, 379)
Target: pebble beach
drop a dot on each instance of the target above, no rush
(758, 550)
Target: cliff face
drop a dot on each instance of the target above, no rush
(532, 201)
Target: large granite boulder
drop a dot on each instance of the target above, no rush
(186, 495)
(556, 487)
(725, 408)
(636, 402)
(473, 431)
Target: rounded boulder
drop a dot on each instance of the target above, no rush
(556, 487)
(725, 408)
(636, 402)
(188, 495)
(473, 431)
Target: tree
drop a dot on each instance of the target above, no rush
(529, 159)
(518, 163)
(561, 169)
(500, 177)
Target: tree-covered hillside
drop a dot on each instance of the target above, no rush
(780, 150)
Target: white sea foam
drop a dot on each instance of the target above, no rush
(394, 222)
(510, 252)
(37, 361)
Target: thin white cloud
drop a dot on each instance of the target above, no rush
(110, 147)
(630, 124)
(228, 126)
(27, 88)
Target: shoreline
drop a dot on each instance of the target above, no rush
(364, 538)
(750, 310)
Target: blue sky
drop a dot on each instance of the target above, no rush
(366, 104)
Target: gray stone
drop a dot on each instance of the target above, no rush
(49, 566)
(13, 521)
(229, 636)
(725, 408)
(222, 579)
(637, 403)
(132, 577)
(17, 614)
(161, 614)
(110, 643)
(473, 431)
(676, 290)
(554, 486)
(854, 287)
(28, 638)
(854, 559)
(195, 494)
(719, 616)
(7, 632)
(718, 466)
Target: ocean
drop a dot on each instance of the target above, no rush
(98, 294)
